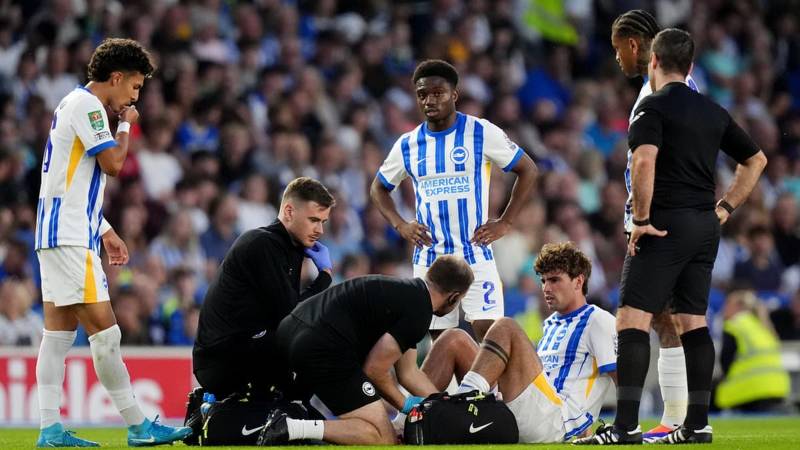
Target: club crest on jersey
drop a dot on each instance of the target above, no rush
(368, 388)
(459, 155)
(96, 120)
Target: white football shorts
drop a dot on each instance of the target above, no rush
(71, 275)
(538, 413)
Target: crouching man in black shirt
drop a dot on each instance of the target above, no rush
(257, 286)
(675, 136)
(343, 343)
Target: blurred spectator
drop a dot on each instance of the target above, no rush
(15, 262)
(178, 245)
(160, 169)
(199, 131)
(610, 125)
(181, 308)
(785, 229)
(128, 311)
(55, 83)
(763, 269)
(787, 320)
(11, 191)
(754, 378)
(255, 210)
(224, 214)
(18, 324)
(354, 265)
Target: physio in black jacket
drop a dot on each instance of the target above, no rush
(257, 286)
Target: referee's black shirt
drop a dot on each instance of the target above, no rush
(688, 129)
(359, 311)
(257, 286)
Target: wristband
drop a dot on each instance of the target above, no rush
(641, 223)
(726, 206)
(124, 127)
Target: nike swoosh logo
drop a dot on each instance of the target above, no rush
(473, 429)
(487, 308)
(246, 432)
(149, 440)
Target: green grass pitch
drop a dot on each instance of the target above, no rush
(774, 433)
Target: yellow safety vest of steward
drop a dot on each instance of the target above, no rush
(757, 372)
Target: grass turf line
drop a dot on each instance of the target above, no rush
(774, 433)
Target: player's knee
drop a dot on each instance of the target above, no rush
(105, 342)
(456, 338)
(503, 325)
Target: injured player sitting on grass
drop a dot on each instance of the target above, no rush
(555, 389)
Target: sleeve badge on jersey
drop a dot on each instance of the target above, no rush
(96, 120)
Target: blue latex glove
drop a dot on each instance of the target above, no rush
(320, 256)
(411, 402)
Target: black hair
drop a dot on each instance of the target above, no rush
(120, 55)
(674, 49)
(636, 22)
(436, 68)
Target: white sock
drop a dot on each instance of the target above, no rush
(674, 391)
(50, 374)
(111, 371)
(471, 381)
(305, 429)
(399, 423)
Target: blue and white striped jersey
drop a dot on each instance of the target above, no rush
(644, 92)
(69, 210)
(575, 349)
(450, 170)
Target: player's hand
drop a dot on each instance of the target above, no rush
(722, 214)
(638, 232)
(411, 402)
(320, 256)
(129, 114)
(491, 231)
(415, 232)
(116, 248)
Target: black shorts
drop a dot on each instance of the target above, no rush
(326, 366)
(674, 270)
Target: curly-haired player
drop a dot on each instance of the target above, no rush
(556, 389)
(80, 151)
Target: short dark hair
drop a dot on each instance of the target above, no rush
(436, 68)
(564, 257)
(120, 55)
(636, 23)
(309, 190)
(450, 274)
(674, 49)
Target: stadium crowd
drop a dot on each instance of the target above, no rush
(250, 95)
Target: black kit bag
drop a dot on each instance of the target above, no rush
(468, 418)
(238, 419)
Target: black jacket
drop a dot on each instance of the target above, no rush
(257, 286)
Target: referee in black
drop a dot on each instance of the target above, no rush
(344, 342)
(675, 136)
(257, 285)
